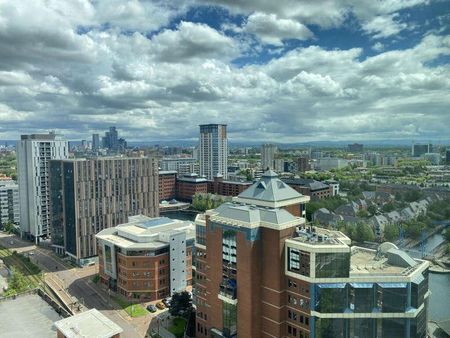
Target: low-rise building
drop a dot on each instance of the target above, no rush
(91, 323)
(219, 186)
(309, 187)
(167, 185)
(189, 185)
(147, 258)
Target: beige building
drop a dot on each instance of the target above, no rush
(90, 324)
(89, 195)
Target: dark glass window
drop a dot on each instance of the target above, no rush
(332, 265)
(229, 318)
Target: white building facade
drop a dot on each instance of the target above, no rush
(33, 155)
(213, 150)
(268, 152)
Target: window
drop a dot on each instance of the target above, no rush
(332, 265)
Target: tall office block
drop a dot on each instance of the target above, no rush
(213, 150)
(95, 141)
(33, 155)
(9, 203)
(268, 152)
(89, 195)
(419, 149)
(447, 156)
(261, 272)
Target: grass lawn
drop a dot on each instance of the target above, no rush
(178, 326)
(135, 310)
(30, 271)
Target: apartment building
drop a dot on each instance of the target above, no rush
(189, 185)
(261, 272)
(9, 202)
(167, 185)
(148, 258)
(33, 155)
(89, 195)
(213, 150)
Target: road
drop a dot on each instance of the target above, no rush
(78, 283)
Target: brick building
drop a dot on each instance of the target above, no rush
(315, 189)
(260, 272)
(189, 185)
(226, 188)
(147, 258)
(167, 185)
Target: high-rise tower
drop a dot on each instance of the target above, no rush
(33, 155)
(213, 150)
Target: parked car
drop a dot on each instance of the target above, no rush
(151, 308)
(166, 301)
(160, 305)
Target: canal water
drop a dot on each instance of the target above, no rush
(439, 284)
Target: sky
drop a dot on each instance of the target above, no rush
(286, 71)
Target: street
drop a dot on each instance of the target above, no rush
(78, 283)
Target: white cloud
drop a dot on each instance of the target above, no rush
(55, 74)
(272, 30)
(384, 26)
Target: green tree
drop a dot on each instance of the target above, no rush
(388, 207)
(414, 229)
(17, 281)
(363, 233)
(372, 209)
(362, 214)
(181, 304)
(391, 232)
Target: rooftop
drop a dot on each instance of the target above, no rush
(270, 191)
(320, 236)
(365, 261)
(143, 232)
(252, 214)
(90, 323)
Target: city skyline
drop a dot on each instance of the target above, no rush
(288, 71)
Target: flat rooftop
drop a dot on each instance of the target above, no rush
(142, 232)
(363, 262)
(90, 324)
(321, 236)
(27, 317)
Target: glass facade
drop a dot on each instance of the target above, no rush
(229, 317)
(69, 207)
(332, 265)
(331, 299)
(57, 229)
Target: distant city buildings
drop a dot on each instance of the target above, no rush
(112, 142)
(33, 155)
(433, 158)
(447, 156)
(262, 272)
(148, 258)
(9, 203)
(328, 163)
(213, 150)
(95, 142)
(89, 195)
(419, 149)
(182, 165)
(355, 148)
(303, 164)
(268, 153)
